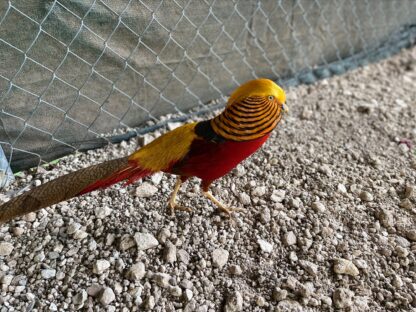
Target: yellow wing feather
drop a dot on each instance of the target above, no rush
(167, 149)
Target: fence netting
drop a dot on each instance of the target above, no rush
(73, 71)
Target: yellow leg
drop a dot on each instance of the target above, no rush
(172, 200)
(221, 206)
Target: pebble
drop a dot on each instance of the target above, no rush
(259, 191)
(234, 302)
(401, 251)
(397, 281)
(48, 273)
(278, 196)
(309, 267)
(386, 218)
(366, 196)
(80, 298)
(344, 266)
(409, 191)
(279, 294)
(156, 178)
(6, 248)
(170, 252)
(235, 269)
(244, 198)
(162, 279)
(188, 294)
(136, 272)
(107, 296)
(342, 298)
(318, 207)
(102, 212)
(265, 246)
(18, 231)
(219, 257)
(260, 301)
(145, 241)
(94, 290)
(175, 291)
(146, 190)
(406, 204)
(126, 242)
(100, 266)
(30, 217)
(341, 188)
(289, 238)
(411, 235)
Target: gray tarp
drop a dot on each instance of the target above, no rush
(70, 70)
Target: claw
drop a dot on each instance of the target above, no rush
(174, 206)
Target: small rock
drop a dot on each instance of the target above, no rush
(48, 273)
(265, 246)
(265, 216)
(344, 266)
(309, 267)
(80, 298)
(156, 178)
(397, 281)
(162, 279)
(146, 190)
(401, 251)
(126, 242)
(406, 204)
(341, 188)
(219, 257)
(107, 296)
(343, 298)
(18, 231)
(136, 272)
(150, 303)
(409, 191)
(411, 234)
(94, 290)
(366, 196)
(289, 238)
(30, 217)
(183, 256)
(278, 196)
(259, 191)
(403, 242)
(386, 218)
(260, 301)
(236, 270)
(234, 302)
(361, 264)
(100, 266)
(188, 294)
(102, 211)
(279, 294)
(175, 291)
(170, 252)
(289, 305)
(244, 198)
(80, 235)
(72, 228)
(240, 171)
(318, 207)
(145, 241)
(6, 249)
(295, 203)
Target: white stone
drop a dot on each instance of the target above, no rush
(219, 257)
(102, 211)
(107, 296)
(100, 266)
(145, 241)
(146, 190)
(234, 302)
(289, 238)
(48, 273)
(278, 196)
(309, 267)
(259, 191)
(6, 249)
(137, 271)
(318, 207)
(265, 246)
(344, 266)
(162, 279)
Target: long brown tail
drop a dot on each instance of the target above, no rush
(71, 185)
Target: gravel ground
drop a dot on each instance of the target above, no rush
(329, 222)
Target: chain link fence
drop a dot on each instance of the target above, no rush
(71, 71)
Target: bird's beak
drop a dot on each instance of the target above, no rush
(285, 108)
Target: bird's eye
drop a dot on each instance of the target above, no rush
(271, 97)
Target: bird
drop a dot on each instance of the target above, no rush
(207, 150)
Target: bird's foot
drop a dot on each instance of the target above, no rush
(174, 206)
(229, 210)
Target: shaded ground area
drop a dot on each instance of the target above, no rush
(330, 220)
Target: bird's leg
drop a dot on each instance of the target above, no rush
(220, 205)
(172, 200)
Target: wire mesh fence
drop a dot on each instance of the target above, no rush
(71, 71)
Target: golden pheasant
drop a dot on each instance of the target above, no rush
(207, 150)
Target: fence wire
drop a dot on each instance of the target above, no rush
(71, 71)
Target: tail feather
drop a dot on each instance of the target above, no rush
(70, 185)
